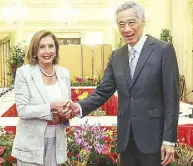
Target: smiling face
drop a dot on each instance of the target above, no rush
(46, 51)
(130, 27)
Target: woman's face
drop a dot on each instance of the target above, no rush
(46, 51)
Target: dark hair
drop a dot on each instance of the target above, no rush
(31, 57)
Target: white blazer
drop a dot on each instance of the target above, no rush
(33, 108)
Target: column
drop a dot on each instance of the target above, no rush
(182, 37)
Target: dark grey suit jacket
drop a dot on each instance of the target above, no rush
(149, 103)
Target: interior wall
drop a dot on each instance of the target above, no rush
(175, 15)
(182, 37)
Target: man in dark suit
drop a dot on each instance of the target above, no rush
(145, 74)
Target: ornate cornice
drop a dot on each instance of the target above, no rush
(53, 4)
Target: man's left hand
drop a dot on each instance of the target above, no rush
(167, 154)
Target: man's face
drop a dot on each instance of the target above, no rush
(130, 27)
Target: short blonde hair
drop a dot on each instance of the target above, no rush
(31, 57)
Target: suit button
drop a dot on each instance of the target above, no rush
(131, 98)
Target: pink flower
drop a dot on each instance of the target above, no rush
(1, 161)
(2, 149)
(106, 149)
(114, 157)
(79, 79)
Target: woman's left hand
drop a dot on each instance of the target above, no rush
(57, 119)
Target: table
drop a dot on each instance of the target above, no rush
(185, 124)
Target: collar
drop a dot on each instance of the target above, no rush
(138, 46)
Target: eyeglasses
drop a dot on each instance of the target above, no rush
(130, 23)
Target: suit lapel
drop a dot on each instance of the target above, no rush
(125, 62)
(61, 80)
(38, 81)
(145, 53)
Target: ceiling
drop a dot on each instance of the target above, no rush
(91, 12)
(54, 3)
(75, 3)
(39, 10)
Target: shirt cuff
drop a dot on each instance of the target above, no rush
(80, 108)
(167, 143)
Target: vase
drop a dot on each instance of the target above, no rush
(77, 163)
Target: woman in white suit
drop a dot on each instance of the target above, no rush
(41, 88)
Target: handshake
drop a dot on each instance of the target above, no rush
(63, 111)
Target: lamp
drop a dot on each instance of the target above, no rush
(14, 13)
(65, 13)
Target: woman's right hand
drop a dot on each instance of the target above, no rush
(57, 119)
(55, 106)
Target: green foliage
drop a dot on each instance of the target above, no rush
(121, 43)
(15, 60)
(184, 155)
(88, 81)
(6, 140)
(98, 112)
(89, 144)
(166, 36)
(92, 135)
(100, 74)
(84, 81)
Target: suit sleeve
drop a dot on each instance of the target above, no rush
(170, 81)
(22, 99)
(102, 93)
(69, 85)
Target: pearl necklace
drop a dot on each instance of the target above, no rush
(46, 74)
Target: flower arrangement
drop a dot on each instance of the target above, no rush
(16, 59)
(88, 81)
(84, 81)
(97, 112)
(92, 143)
(183, 155)
(81, 95)
(89, 145)
(6, 142)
